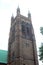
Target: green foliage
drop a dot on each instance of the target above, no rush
(41, 29)
(41, 52)
(41, 47)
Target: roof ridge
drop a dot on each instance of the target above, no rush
(3, 50)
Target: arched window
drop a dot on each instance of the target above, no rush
(23, 30)
(26, 32)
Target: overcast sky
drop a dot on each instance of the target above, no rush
(9, 7)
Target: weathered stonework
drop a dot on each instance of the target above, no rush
(22, 47)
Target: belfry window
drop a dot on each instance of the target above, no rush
(23, 30)
(27, 31)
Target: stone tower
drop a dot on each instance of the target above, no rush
(22, 46)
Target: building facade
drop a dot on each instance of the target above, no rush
(22, 45)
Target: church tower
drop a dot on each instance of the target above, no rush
(22, 46)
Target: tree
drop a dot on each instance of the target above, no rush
(41, 52)
(41, 47)
(41, 29)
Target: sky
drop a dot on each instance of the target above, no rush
(9, 7)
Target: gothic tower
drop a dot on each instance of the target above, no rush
(22, 46)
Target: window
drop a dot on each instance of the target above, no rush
(23, 30)
(27, 28)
